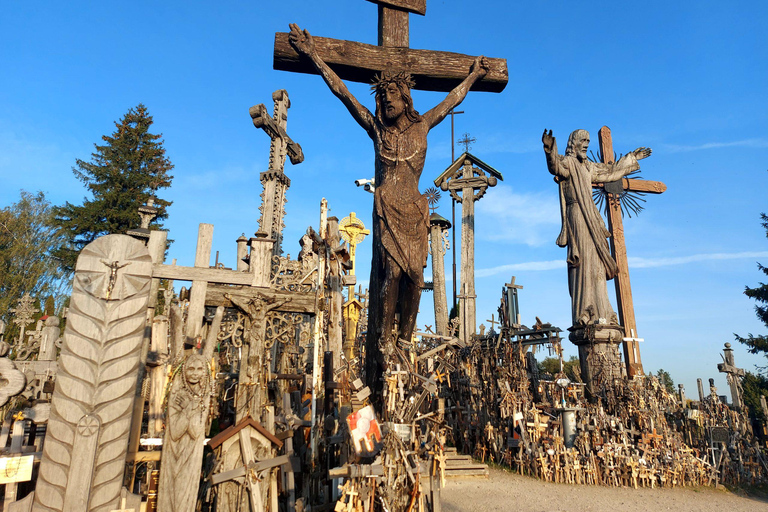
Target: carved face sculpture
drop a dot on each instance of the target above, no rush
(392, 102)
(578, 142)
(194, 370)
(581, 145)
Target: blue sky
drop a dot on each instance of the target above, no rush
(687, 79)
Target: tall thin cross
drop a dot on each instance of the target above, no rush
(359, 62)
(626, 307)
(274, 180)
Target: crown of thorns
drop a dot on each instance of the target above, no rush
(382, 80)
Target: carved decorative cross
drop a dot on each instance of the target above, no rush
(274, 180)
(23, 314)
(359, 62)
(467, 142)
(626, 307)
(353, 231)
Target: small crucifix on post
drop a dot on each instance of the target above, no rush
(625, 305)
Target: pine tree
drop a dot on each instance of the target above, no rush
(758, 344)
(121, 176)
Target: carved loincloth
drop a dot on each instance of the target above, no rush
(403, 229)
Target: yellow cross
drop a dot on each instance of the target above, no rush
(353, 231)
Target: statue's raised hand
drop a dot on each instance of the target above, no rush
(480, 66)
(641, 153)
(301, 40)
(548, 140)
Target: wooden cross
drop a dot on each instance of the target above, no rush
(492, 322)
(728, 366)
(274, 180)
(513, 308)
(359, 62)
(626, 307)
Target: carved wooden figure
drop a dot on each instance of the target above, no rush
(87, 438)
(401, 217)
(189, 401)
(250, 391)
(589, 259)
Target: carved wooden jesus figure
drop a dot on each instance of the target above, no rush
(188, 404)
(589, 259)
(400, 212)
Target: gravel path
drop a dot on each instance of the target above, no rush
(505, 491)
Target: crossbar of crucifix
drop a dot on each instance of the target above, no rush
(626, 308)
(360, 62)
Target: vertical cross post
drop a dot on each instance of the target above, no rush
(626, 309)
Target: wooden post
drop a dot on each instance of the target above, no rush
(438, 242)
(335, 331)
(626, 309)
(199, 286)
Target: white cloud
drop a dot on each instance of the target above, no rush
(529, 218)
(515, 267)
(747, 143)
(635, 262)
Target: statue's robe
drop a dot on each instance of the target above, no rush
(589, 258)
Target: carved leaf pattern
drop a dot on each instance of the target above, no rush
(97, 373)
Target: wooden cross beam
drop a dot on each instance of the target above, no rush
(626, 307)
(359, 62)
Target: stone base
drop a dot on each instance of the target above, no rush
(599, 357)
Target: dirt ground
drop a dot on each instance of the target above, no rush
(505, 491)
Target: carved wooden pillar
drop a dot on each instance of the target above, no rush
(87, 439)
(467, 179)
(438, 243)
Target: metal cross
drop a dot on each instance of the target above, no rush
(467, 140)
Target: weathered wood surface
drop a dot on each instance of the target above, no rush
(638, 185)
(301, 302)
(197, 293)
(189, 403)
(210, 275)
(414, 6)
(359, 62)
(625, 306)
(13, 381)
(87, 439)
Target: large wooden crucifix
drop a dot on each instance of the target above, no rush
(399, 134)
(626, 308)
(359, 62)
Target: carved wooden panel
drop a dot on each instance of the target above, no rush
(87, 439)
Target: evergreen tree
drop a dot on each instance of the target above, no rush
(121, 176)
(759, 344)
(665, 379)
